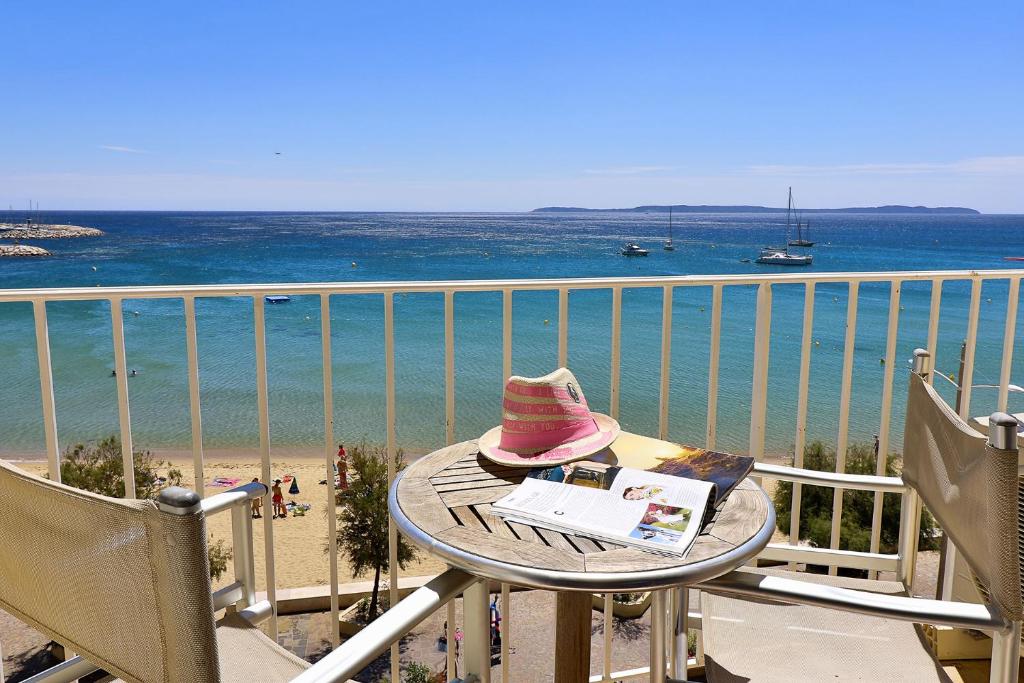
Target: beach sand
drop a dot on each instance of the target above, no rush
(299, 541)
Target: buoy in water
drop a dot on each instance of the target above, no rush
(94, 268)
(353, 264)
(546, 321)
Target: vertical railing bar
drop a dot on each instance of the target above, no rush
(613, 408)
(563, 327)
(609, 611)
(332, 518)
(934, 310)
(263, 410)
(46, 390)
(759, 393)
(886, 416)
(844, 411)
(711, 431)
(972, 341)
(1009, 334)
(506, 336)
(506, 634)
(449, 367)
(801, 412)
(389, 410)
(450, 660)
(124, 414)
(666, 360)
(195, 411)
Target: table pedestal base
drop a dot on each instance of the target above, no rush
(572, 637)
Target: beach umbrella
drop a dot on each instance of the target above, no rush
(294, 488)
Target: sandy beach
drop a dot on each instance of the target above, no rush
(299, 541)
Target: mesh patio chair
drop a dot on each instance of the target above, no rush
(768, 625)
(125, 584)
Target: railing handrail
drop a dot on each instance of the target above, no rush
(436, 286)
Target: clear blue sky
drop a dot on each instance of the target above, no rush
(509, 106)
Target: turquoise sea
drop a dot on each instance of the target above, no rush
(146, 248)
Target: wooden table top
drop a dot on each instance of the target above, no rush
(442, 502)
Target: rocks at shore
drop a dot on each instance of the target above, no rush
(44, 231)
(21, 250)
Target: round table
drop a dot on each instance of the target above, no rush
(442, 503)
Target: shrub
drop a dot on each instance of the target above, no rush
(363, 518)
(99, 468)
(858, 506)
(417, 673)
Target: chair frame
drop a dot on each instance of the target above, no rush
(1006, 634)
(341, 664)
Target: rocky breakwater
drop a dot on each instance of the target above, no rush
(41, 231)
(23, 231)
(22, 250)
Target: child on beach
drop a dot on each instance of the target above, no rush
(257, 503)
(278, 500)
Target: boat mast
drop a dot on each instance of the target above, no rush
(670, 224)
(789, 212)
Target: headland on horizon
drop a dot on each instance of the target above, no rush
(709, 208)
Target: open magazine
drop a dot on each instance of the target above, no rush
(662, 509)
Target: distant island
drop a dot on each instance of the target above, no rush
(707, 208)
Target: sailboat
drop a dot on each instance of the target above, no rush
(799, 241)
(668, 243)
(780, 256)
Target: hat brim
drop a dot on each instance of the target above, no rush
(607, 431)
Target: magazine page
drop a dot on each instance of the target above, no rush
(724, 470)
(640, 508)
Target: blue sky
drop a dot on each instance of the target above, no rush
(509, 106)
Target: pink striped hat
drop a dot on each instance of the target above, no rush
(546, 422)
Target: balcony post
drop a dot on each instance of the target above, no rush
(477, 632)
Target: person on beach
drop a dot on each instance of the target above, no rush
(278, 500)
(342, 467)
(257, 503)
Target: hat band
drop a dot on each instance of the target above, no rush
(571, 409)
(541, 440)
(538, 391)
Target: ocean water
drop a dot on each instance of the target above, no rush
(146, 248)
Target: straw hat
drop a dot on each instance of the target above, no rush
(546, 422)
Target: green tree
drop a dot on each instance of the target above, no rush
(363, 517)
(858, 506)
(99, 468)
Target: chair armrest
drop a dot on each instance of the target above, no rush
(836, 480)
(920, 610)
(236, 496)
(390, 627)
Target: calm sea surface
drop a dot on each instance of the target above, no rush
(188, 248)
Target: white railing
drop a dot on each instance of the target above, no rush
(718, 284)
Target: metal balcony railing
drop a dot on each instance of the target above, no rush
(832, 556)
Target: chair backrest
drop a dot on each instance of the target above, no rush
(971, 488)
(121, 582)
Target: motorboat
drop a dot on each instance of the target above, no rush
(781, 257)
(633, 249)
(277, 299)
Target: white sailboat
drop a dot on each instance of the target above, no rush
(799, 241)
(780, 256)
(668, 243)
